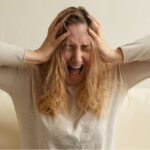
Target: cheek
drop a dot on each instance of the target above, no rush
(88, 57)
(66, 55)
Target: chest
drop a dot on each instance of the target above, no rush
(64, 132)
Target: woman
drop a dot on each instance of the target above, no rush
(67, 93)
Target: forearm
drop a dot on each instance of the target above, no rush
(34, 57)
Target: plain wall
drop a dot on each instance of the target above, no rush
(25, 22)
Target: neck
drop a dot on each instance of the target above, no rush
(72, 90)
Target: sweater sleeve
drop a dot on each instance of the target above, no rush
(11, 58)
(136, 61)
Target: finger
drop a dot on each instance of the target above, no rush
(94, 19)
(60, 15)
(53, 24)
(62, 37)
(66, 11)
(95, 24)
(58, 25)
(93, 34)
(54, 29)
(96, 29)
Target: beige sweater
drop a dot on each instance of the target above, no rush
(38, 131)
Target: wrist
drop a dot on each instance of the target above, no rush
(41, 57)
(117, 56)
(34, 57)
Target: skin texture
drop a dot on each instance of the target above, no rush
(77, 53)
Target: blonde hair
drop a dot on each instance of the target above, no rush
(92, 95)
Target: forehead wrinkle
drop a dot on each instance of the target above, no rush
(83, 41)
(79, 34)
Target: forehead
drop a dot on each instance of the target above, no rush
(78, 34)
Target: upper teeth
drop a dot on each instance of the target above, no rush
(76, 67)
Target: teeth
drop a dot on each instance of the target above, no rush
(76, 67)
(70, 68)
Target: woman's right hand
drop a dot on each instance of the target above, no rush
(43, 53)
(51, 43)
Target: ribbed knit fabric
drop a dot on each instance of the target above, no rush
(77, 131)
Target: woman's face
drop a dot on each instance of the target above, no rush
(77, 53)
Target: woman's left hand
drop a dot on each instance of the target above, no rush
(107, 54)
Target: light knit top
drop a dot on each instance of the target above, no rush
(75, 132)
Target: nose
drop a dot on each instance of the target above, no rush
(77, 56)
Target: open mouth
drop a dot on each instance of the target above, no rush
(75, 70)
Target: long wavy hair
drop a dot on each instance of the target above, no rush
(92, 95)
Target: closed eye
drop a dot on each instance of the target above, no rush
(85, 47)
(69, 46)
